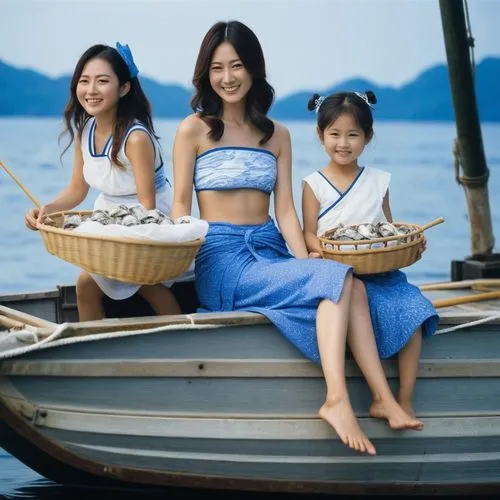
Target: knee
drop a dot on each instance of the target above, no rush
(147, 291)
(348, 282)
(418, 333)
(86, 287)
(358, 291)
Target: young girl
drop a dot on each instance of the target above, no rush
(116, 151)
(235, 157)
(345, 192)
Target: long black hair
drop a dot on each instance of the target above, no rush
(260, 97)
(132, 106)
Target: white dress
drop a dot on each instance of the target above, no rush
(397, 308)
(360, 203)
(117, 187)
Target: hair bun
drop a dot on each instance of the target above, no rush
(372, 99)
(311, 105)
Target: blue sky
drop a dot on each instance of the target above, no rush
(308, 44)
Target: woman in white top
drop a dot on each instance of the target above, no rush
(108, 117)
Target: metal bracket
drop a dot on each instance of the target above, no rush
(32, 413)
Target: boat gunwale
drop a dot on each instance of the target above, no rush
(231, 318)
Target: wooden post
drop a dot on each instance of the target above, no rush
(475, 172)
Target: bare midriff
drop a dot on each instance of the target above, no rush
(237, 206)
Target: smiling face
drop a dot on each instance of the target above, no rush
(228, 76)
(344, 140)
(98, 89)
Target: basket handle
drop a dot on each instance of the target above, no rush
(20, 184)
(433, 223)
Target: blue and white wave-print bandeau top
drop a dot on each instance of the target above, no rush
(235, 167)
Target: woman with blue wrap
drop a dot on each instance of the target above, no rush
(235, 157)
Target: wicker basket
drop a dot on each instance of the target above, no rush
(142, 262)
(378, 255)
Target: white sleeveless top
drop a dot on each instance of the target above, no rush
(360, 203)
(117, 186)
(101, 174)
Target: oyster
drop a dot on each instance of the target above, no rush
(154, 216)
(184, 219)
(386, 229)
(102, 217)
(119, 211)
(368, 231)
(348, 233)
(71, 221)
(130, 220)
(404, 229)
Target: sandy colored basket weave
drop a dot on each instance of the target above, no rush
(378, 255)
(142, 262)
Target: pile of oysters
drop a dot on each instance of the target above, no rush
(358, 232)
(123, 216)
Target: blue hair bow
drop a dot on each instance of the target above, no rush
(126, 55)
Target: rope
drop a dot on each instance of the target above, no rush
(457, 162)
(464, 179)
(470, 38)
(475, 181)
(468, 325)
(57, 338)
(461, 180)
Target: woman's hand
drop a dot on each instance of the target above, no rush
(314, 255)
(33, 216)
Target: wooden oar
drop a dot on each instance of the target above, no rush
(433, 223)
(11, 323)
(20, 184)
(477, 297)
(456, 285)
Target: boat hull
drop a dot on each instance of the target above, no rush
(225, 402)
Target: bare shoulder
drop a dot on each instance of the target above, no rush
(139, 138)
(281, 139)
(192, 127)
(281, 132)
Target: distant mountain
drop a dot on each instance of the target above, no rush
(29, 93)
(427, 97)
(26, 92)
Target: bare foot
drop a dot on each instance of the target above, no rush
(395, 415)
(407, 406)
(341, 417)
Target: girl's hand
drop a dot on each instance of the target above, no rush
(423, 247)
(33, 216)
(314, 255)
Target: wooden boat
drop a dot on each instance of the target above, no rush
(223, 402)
